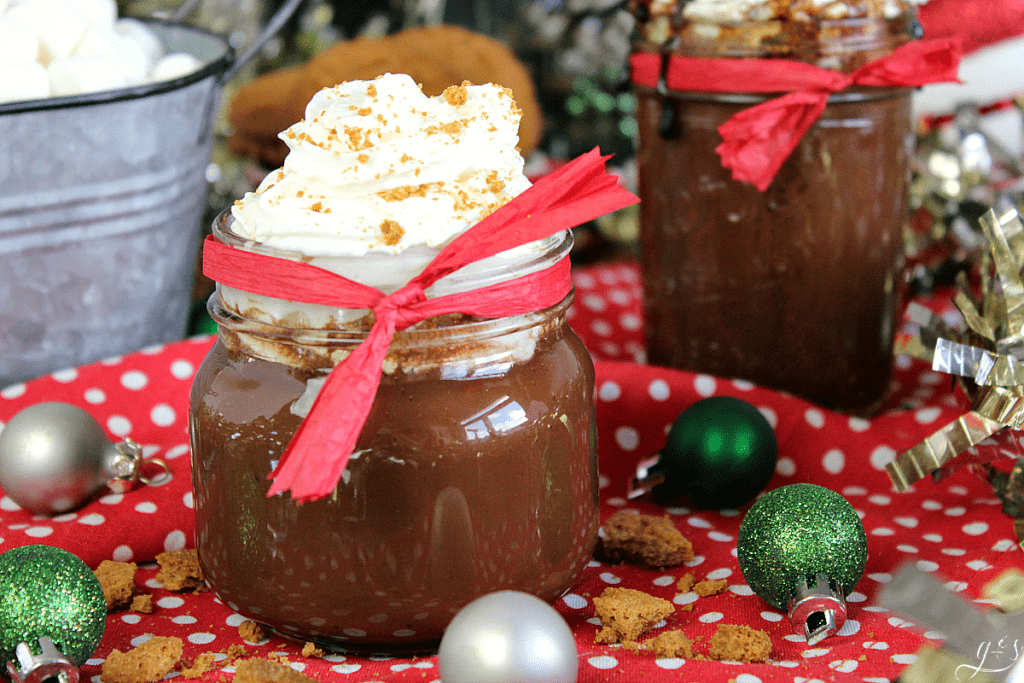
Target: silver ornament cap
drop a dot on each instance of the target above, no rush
(54, 457)
(818, 608)
(48, 664)
(508, 637)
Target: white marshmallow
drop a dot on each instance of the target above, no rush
(3, 5)
(98, 13)
(56, 23)
(137, 48)
(24, 81)
(18, 42)
(174, 65)
(85, 73)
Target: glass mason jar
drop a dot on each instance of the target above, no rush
(799, 287)
(476, 470)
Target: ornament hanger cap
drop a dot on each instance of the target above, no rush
(49, 664)
(124, 467)
(818, 609)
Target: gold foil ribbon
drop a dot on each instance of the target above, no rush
(986, 359)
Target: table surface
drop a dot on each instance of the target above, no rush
(953, 528)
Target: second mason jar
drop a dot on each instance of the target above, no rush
(798, 287)
(475, 472)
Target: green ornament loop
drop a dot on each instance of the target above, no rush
(46, 591)
(795, 532)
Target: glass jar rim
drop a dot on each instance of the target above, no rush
(492, 270)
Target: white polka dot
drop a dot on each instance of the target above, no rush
(856, 596)
(975, 528)
(741, 589)
(722, 573)
(95, 396)
(875, 645)
(742, 384)
(719, 536)
(92, 519)
(201, 638)
(119, 425)
(903, 547)
(176, 451)
(346, 668)
(182, 369)
(882, 531)
(609, 391)
(786, 467)
(927, 565)
(958, 490)
(664, 581)
(627, 438)
(685, 598)
(909, 522)
(880, 577)
(814, 651)
(851, 627)
(904, 659)
(814, 418)
(630, 322)
(65, 376)
(237, 619)
(978, 565)
(927, 415)
(188, 501)
(146, 508)
(13, 391)
(122, 553)
(771, 616)
(1004, 545)
(880, 499)
(112, 498)
(584, 280)
(163, 415)
(955, 511)
(601, 328)
(858, 424)
(669, 662)
(594, 302)
(608, 577)
(954, 552)
(134, 380)
(699, 522)
(174, 541)
(931, 505)
(131, 618)
(770, 415)
(170, 602)
(834, 461)
(711, 617)
(747, 678)
(184, 619)
(705, 385)
(404, 633)
(659, 390)
(843, 665)
(882, 456)
(603, 662)
(38, 531)
(574, 601)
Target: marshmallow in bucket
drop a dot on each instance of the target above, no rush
(68, 47)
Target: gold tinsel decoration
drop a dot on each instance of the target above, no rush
(987, 359)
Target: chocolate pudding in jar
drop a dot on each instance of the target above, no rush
(476, 469)
(798, 287)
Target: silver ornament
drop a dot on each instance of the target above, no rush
(508, 637)
(54, 457)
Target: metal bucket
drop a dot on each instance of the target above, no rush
(101, 205)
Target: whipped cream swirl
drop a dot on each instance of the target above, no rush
(377, 167)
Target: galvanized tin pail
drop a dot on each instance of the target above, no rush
(101, 203)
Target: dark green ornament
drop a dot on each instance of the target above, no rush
(720, 453)
(48, 592)
(802, 548)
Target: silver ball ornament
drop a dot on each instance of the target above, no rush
(508, 637)
(54, 457)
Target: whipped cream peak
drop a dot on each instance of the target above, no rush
(378, 167)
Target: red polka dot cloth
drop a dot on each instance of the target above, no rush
(954, 528)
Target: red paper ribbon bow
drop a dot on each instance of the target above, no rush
(319, 451)
(757, 140)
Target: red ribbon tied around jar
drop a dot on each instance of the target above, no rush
(758, 140)
(318, 453)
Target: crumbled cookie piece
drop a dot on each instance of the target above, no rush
(199, 666)
(180, 570)
(645, 540)
(117, 579)
(738, 643)
(670, 644)
(685, 584)
(710, 587)
(311, 650)
(625, 613)
(257, 670)
(234, 652)
(251, 632)
(147, 663)
(142, 603)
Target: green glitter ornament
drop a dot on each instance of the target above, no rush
(46, 592)
(720, 453)
(802, 548)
